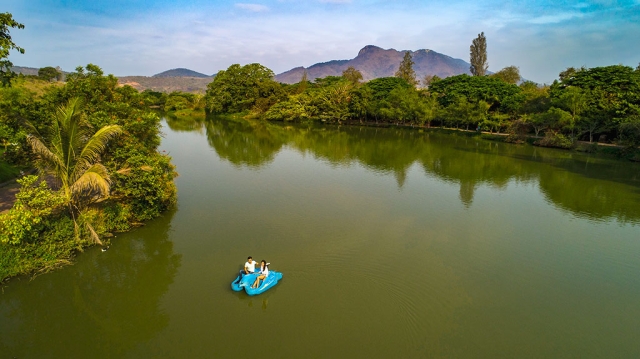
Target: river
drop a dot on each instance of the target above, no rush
(394, 243)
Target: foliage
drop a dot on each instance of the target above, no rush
(6, 45)
(35, 207)
(478, 56)
(71, 154)
(510, 75)
(405, 71)
(141, 185)
(49, 73)
(239, 88)
(353, 75)
(555, 139)
(630, 134)
(499, 95)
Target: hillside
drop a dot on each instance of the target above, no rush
(180, 72)
(166, 84)
(374, 62)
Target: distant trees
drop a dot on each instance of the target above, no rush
(478, 56)
(510, 75)
(429, 79)
(353, 75)
(6, 45)
(49, 73)
(405, 71)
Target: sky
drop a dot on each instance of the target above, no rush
(145, 37)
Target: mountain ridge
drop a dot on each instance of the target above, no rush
(374, 62)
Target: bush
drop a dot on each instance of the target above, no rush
(629, 134)
(554, 139)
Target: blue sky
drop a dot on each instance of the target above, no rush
(137, 37)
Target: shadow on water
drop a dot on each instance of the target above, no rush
(584, 185)
(110, 300)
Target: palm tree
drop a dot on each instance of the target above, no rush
(71, 154)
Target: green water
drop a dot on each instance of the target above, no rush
(394, 243)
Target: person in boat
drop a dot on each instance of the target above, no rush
(264, 272)
(249, 266)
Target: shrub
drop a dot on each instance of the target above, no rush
(554, 139)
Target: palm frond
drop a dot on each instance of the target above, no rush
(93, 183)
(44, 153)
(98, 142)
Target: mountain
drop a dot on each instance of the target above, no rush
(166, 84)
(181, 72)
(374, 62)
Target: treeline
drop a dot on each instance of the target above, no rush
(589, 104)
(94, 144)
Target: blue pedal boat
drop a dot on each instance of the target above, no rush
(245, 282)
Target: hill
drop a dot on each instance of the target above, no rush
(180, 72)
(166, 84)
(374, 62)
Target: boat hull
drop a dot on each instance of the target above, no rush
(245, 282)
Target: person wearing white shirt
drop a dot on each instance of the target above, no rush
(249, 267)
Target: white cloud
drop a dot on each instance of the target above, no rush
(252, 7)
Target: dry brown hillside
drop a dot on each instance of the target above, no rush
(374, 62)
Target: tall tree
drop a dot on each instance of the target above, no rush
(478, 56)
(405, 71)
(304, 82)
(71, 154)
(352, 75)
(6, 45)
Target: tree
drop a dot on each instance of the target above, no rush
(48, 73)
(429, 79)
(238, 88)
(510, 75)
(71, 155)
(6, 45)
(574, 100)
(304, 82)
(352, 75)
(405, 71)
(478, 56)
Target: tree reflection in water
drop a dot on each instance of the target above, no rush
(585, 185)
(112, 299)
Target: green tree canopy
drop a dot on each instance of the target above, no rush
(352, 75)
(510, 75)
(239, 88)
(6, 45)
(495, 92)
(382, 86)
(48, 73)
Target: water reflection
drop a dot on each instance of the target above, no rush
(185, 124)
(585, 185)
(245, 143)
(109, 301)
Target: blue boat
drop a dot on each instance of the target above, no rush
(245, 281)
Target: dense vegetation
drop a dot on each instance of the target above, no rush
(95, 143)
(601, 103)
